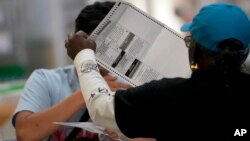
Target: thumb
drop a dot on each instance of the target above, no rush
(110, 78)
(82, 33)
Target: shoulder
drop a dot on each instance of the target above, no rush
(165, 83)
(46, 79)
(173, 81)
(153, 88)
(51, 74)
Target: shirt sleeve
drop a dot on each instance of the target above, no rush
(35, 96)
(97, 94)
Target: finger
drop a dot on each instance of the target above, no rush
(114, 136)
(103, 71)
(92, 42)
(124, 85)
(70, 36)
(81, 33)
(105, 131)
(66, 43)
(110, 78)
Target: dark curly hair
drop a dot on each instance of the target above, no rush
(90, 16)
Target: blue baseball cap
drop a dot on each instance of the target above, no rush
(217, 22)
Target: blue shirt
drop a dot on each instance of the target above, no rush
(47, 87)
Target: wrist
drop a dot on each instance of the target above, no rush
(85, 54)
(82, 56)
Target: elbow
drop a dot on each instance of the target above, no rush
(24, 135)
(101, 111)
(93, 113)
(97, 111)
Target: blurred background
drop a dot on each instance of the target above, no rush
(32, 34)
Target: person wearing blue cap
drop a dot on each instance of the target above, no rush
(212, 104)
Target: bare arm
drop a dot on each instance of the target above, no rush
(41, 125)
(37, 126)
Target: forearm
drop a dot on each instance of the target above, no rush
(41, 124)
(99, 98)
